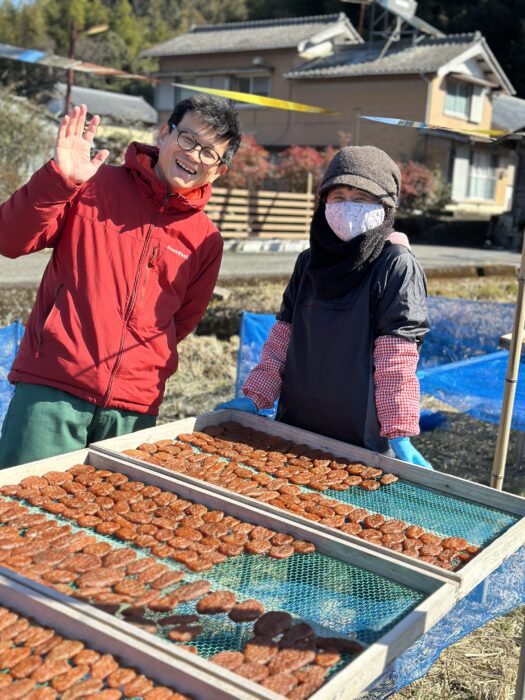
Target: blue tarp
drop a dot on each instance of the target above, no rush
(475, 386)
(460, 328)
(10, 338)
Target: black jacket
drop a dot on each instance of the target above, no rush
(328, 382)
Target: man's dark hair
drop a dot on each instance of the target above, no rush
(221, 116)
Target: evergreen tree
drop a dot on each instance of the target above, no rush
(97, 13)
(125, 24)
(32, 27)
(502, 23)
(59, 16)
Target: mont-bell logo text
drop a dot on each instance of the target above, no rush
(178, 252)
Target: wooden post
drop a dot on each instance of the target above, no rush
(251, 208)
(511, 380)
(520, 680)
(71, 54)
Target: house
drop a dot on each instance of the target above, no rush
(129, 117)
(449, 81)
(509, 115)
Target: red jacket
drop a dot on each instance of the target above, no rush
(132, 271)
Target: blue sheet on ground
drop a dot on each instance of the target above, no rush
(475, 386)
(10, 338)
(460, 328)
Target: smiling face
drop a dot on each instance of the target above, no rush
(344, 193)
(182, 170)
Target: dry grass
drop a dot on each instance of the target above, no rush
(476, 288)
(205, 377)
(481, 666)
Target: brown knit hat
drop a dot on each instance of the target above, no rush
(368, 168)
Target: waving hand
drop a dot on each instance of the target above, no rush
(72, 150)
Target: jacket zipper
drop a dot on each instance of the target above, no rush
(41, 327)
(131, 304)
(150, 265)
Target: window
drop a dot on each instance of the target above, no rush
(253, 84)
(167, 95)
(220, 82)
(164, 97)
(482, 175)
(458, 98)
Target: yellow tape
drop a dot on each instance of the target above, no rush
(258, 99)
(394, 121)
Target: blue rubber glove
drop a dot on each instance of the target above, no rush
(405, 450)
(241, 404)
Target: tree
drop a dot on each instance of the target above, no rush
(59, 15)
(417, 186)
(296, 163)
(156, 26)
(97, 13)
(265, 9)
(502, 23)
(251, 166)
(32, 27)
(123, 23)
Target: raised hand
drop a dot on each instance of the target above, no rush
(72, 149)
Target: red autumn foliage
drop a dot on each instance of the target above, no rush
(250, 167)
(294, 165)
(418, 186)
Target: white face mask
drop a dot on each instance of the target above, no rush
(348, 219)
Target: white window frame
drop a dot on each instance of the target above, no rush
(250, 76)
(227, 82)
(448, 93)
(487, 177)
(219, 81)
(162, 90)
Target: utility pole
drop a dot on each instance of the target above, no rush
(362, 13)
(71, 54)
(97, 29)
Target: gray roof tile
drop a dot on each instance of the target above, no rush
(508, 113)
(246, 36)
(404, 56)
(118, 106)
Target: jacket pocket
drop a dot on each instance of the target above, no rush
(47, 320)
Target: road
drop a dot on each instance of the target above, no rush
(27, 270)
(431, 257)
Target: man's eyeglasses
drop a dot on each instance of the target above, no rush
(188, 143)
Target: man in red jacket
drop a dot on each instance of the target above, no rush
(135, 260)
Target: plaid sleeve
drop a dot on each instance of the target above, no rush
(263, 384)
(396, 386)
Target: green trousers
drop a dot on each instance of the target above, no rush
(43, 422)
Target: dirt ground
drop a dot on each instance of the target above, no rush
(483, 665)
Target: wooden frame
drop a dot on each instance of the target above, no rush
(472, 573)
(441, 596)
